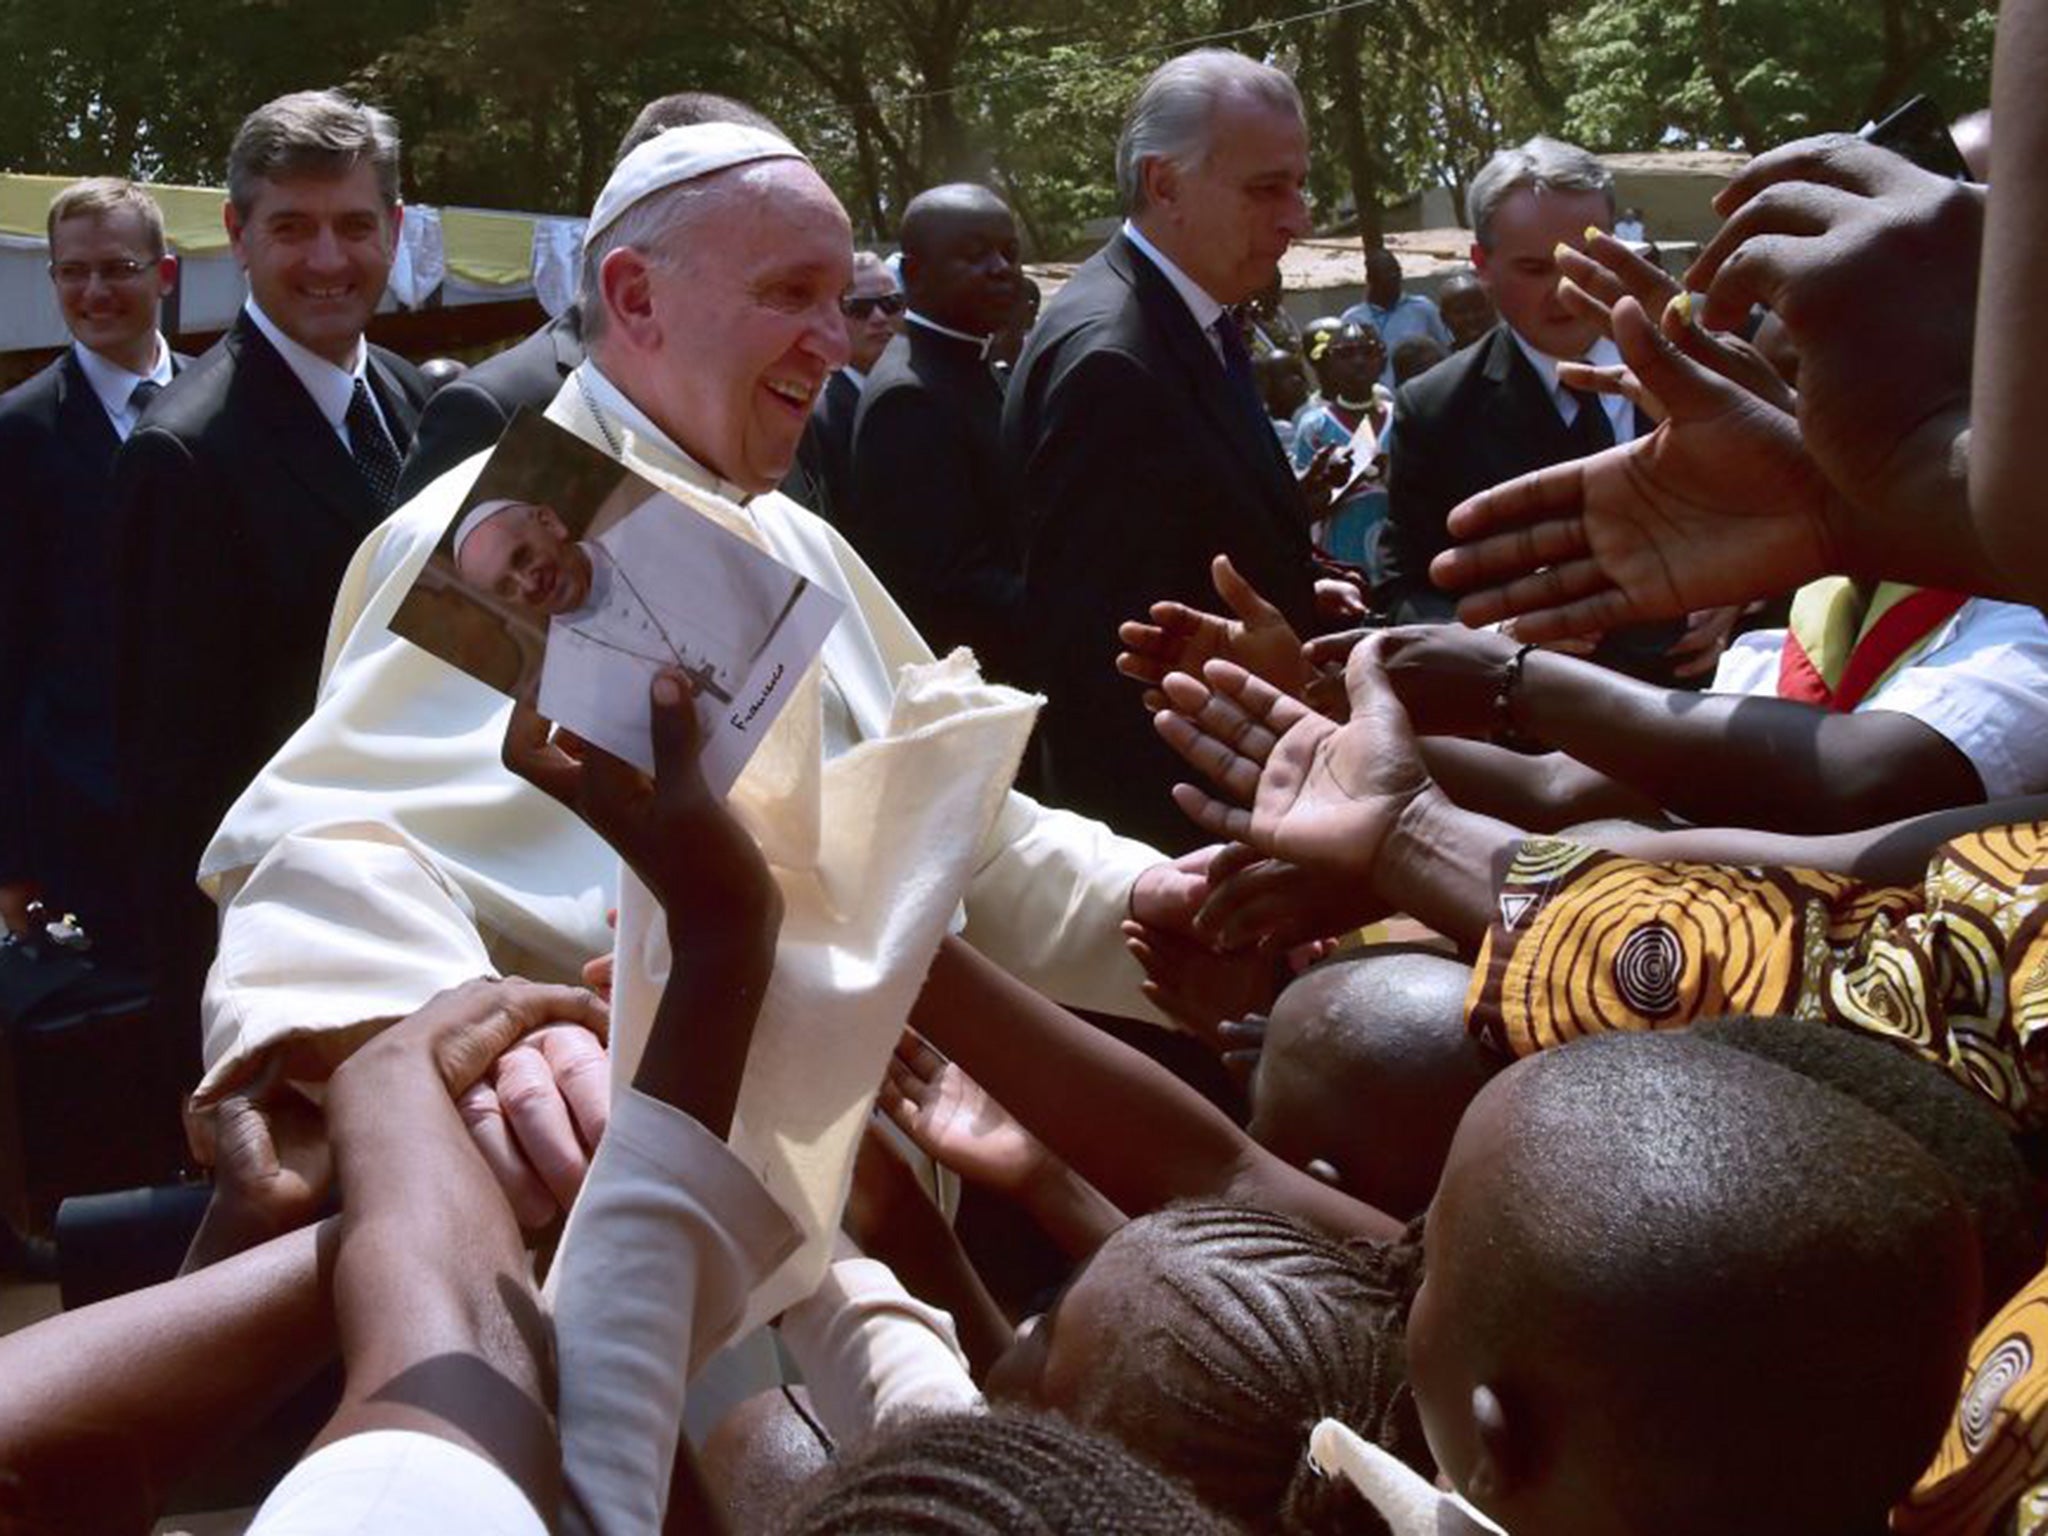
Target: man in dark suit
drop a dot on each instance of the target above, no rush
(469, 415)
(244, 493)
(1133, 433)
(1496, 410)
(929, 510)
(823, 477)
(60, 834)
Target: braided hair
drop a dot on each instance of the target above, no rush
(1001, 1474)
(1257, 1328)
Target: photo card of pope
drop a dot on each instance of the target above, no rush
(567, 581)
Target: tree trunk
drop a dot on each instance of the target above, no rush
(1348, 92)
(1714, 59)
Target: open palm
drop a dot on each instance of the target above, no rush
(954, 1122)
(1302, 787)
(1720, 504)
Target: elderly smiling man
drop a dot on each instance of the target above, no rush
(385, 853)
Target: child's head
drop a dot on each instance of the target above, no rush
(1210, 1339)
(997, 1475)
(1674, 1287)
(1957, 1128)
(1282, 384)
(1365, 1069)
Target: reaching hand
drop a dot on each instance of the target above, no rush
(1310, 791)
(538, 1117)
(1830, 233)
(1197, 986)
(534, 1097)
(1719, 504)
(700, 863)
(1181, 639)
(272, 1164)
(954, 1121)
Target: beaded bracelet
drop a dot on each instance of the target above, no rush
(1505, 732)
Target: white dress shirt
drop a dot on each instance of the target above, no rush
(330, 386)
(1981, 683)
(115, 385)
(1602, 353)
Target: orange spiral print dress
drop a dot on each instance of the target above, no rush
(1956, 969)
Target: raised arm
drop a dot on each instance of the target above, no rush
(1713, 759)
(1124, 1123)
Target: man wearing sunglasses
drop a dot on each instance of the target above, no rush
(873, 307)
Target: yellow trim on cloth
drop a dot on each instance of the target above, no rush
(493, 250)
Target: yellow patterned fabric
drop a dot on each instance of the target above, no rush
(1585, 942)
(1991, 1474)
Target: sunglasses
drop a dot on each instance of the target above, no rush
(890, 304)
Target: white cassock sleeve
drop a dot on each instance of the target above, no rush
(674, 1233)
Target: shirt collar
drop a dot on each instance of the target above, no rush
(648, 441)
(330, 387)
(1204, 308)
(980, 344)
(1600, 354)
(113, 383)
(858, 379)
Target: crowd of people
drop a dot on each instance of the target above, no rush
(1427, 922)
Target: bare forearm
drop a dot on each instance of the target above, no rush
(1121, 1121)
(108, 1407)
(1544, 793)
(703, 1026)
(1744, 761)
(1088, 1097)
(1895, 854)
(1071, 1211)
(439, 1326)
(1442, 865)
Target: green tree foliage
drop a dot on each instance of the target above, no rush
(1746, 74)
(520, 103)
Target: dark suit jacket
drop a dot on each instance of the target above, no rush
(238, 510)
(469, 414)
(821, 477)
(1133, 465)
(1478, 418)
(929, 510)
(58, 797)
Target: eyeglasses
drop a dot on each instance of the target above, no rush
(76, 274)
(890, 304)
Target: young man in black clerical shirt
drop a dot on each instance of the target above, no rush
(929, 510)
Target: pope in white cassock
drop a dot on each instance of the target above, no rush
(385, 853)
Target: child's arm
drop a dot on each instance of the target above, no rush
(956, 1124)
(1126, 1124)
(672, 1231)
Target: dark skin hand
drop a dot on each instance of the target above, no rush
(722, 906)
(1718, 505)
(1256, 636)
(1821, 230)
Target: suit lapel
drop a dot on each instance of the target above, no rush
(400, 414)
(1254, 444)
(295, 433)
(1526, 421)
(81, 419)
